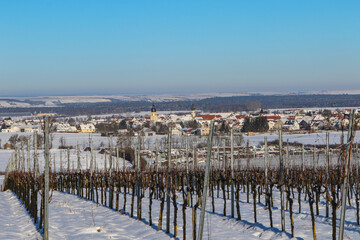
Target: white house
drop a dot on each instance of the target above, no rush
(65, 127)
(87, 128)
(291, 125)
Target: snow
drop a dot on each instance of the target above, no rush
(4, 159)
(80, 219)
(55, 154)
(75, 218)
(82, 139)
(14, 221)
(72, 217)
(12, 104)
(312, 139)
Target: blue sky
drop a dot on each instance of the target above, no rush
(143, 47)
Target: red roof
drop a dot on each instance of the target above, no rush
(273, 118)
(208, 117)
(240, 116)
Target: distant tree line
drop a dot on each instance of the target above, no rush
(215, 104)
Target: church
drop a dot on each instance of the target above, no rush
(153, 116)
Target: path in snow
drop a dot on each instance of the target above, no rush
(75, 218)
(15, 223)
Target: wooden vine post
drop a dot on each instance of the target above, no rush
(327, 171)
(232, 173)
(268, 190)
(138, 171)
(36, 169)
(206, 182)
(46, 187)
(168, 184)
(28, 154)
(91, 169)
(345, 187)
(266, 159)
(281, 180)
(187, 158)
(156, 156)
(78, 170)
(303, 157)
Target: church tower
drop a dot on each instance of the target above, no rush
(193, 112)
(153, 116)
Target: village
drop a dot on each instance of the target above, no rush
(249, 129)
(193, 122)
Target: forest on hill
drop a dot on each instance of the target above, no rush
(215, 104)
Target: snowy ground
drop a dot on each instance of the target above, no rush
(75, 218)
(59, 159)
(72, 217)
(4, 158)
(218, 226)
(15, 223)
(82, 139)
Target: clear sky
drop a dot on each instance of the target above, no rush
(140, 47)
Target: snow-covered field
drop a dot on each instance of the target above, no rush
(75, 218)
(72, 217)
(82, 139)
(15, 223)
(59, 160)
